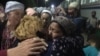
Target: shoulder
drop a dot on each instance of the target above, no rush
(90, 48)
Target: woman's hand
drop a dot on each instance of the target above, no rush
(32, 46)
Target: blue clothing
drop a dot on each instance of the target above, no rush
(90, 51)
(80, 23)
(48, 52)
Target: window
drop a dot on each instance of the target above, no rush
(83, 2)
(91, 1)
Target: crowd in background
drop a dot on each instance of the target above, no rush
(65, 32)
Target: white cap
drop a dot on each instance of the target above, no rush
(13, 5)
(47, 11)
(74, 5)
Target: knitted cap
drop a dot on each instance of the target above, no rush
(13, 5)
(67, 25)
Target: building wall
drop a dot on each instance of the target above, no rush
(87, 12)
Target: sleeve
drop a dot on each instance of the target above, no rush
(3, 52)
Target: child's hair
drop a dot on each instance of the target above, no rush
(92, 38)
(28, 27)
(95, 39)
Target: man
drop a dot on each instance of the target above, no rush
(78, 20)
(9, 44)
(25, 48)
(14, 11)
(92, 22)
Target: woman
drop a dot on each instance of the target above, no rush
(62, 41)
(46, 17)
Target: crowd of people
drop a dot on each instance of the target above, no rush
(61, 35)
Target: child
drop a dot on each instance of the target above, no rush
(92, 48)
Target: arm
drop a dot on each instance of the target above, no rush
(30, 11)
(28, 47)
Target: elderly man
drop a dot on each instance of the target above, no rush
(78, 20)
(9, 44)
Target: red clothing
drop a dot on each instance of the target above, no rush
(5, 39)
(8, 40)
(3, 53)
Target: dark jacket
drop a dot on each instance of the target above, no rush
(65, 46)
(80, 23)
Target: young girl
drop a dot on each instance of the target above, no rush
(62, 43)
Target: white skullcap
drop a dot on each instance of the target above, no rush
(74, 5)
(13, 5)
(47, 11)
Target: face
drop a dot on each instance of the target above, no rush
(14, 17)
(44, 17)
(54, 30)
(93, 14)
(71, 10)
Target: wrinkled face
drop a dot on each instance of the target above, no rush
(14, 17)
(71, 10)
(44, 17)
(54, 30)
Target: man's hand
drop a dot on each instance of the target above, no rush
(32, 46)
(30, 11)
